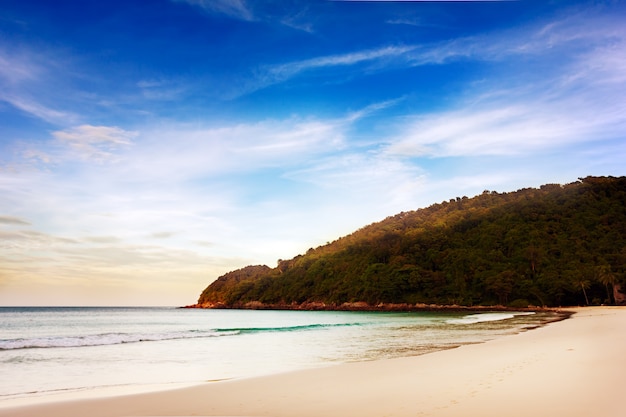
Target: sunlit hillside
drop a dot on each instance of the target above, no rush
(556, 245)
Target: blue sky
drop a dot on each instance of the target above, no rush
(147, 147)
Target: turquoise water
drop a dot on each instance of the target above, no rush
(44, 351)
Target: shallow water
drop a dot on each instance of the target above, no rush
(44, 351)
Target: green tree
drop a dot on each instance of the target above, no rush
(502, 285)
(584, 285)
(606, 277)
(557, 245)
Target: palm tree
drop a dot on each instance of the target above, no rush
(584, 284)
(606, 277)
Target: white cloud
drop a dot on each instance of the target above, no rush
(12, 220)
(180, 152)
(30, 240)
(562, 38)
(161, 89)
(16, 68)
(162, 235)
(268, 75)
(179, 187)
(356, 188)
(23, 71)
(95, 142)
(294, 16)
(356, 169)
(500, 131)
(521, 126)
(292, 68)
(38, 110)
(237, 9)
(87, 134)
(580, 101)
(102, 239)
(178, 178)
(298, 21)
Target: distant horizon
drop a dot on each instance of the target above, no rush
(147, 151)
(90, 306)
(200, 289)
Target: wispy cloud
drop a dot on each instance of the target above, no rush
(180, 151)
(13, 221)
(298, 20)
(237, 9)
(31, 240)
(582, 101)
(293, 68)
(95, 142)
(292, 14)
(579, 99)
(404, 21)
(268, 75)
(161, 90)
(38, 110)
(513, 129)
(103, 239)
(182, 177)
(415, 21)
(366, 177)
(23, 71)
(162, 235)
(563, 37)
(15, 68)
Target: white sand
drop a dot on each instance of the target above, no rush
(571, 368)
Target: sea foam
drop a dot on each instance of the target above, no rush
(486, 317)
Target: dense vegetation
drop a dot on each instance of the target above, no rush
(556, 245)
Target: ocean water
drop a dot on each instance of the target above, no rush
(48, 351)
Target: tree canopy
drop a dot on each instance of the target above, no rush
(555, 245)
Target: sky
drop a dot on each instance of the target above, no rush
(148, 147)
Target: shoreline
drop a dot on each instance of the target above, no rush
(566, 368)
(365, 307)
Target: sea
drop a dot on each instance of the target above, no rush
(48, 352)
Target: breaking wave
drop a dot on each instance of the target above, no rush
(121, 338)
(487, 317)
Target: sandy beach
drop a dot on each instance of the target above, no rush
(574, 367)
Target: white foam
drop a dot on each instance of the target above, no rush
(102, 339)
(486, 317)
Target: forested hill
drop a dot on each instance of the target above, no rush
(556, 245)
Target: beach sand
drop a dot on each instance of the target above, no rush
(572, 368)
